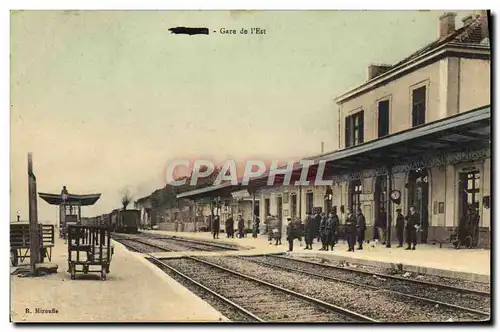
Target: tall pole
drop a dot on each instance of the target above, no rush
(300, 202)
(33, 217)
(253, 208)
(389, 206)
(194, 214)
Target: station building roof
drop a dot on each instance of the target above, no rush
(83, 200)
(459, 133)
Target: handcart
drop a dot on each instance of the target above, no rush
(461, 238)
(20, 242)
(89, 246)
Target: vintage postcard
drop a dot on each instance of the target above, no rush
(320, 166)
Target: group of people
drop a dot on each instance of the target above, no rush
(326, 228)
(229, 227)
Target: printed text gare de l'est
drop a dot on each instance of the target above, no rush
(243, 31)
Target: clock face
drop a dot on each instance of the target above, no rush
(395, 194)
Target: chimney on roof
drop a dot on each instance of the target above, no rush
(483, 16)
(377, 70)
(446, 24)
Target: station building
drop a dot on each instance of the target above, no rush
(424, 120)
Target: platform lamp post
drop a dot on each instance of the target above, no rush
(217, 206)
(328, 198)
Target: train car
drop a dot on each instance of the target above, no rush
(128, 221)
(121, 221)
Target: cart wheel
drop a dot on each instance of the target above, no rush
(14, 259)
(103, 274)
(43, 254)
(468, 242)
(73, 272)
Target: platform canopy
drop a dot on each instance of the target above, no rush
(58, 199)
(457, 139)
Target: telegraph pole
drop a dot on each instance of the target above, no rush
(33, 217)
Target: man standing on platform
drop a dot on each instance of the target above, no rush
(333, 227)
(241, 227)
(413, 224)
(350, 229)
(308, 232)
(215, 227)
(400, 227)
(317, 224)
(291, 233)
(361, 228)
(230, 227)
(323, 233)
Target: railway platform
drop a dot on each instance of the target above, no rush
(468, 264)
(135, 291)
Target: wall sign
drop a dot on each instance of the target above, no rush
(366, 197)
(285, 198)
(441, 207)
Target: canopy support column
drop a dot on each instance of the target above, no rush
(389, 206)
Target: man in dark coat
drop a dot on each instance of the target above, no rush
(361, 228)
(215, 227)
(309, 231)
(269, 228)
(333, 228)
(323, 232)
(291, 233)
(412, 225)
(350, 229)
(400, 227)
(241, 226)
(256, 225)
(317, 224)
(230, 227)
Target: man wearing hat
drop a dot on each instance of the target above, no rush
(400, 227)
(291, 233)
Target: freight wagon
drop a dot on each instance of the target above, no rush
(122, 221)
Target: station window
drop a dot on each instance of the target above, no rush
(354, 129)
(309, 203)
(383, 118)
(267, 207)
(355, 192)
(418, 106)
(293, 205)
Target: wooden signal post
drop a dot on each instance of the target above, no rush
(33, 216)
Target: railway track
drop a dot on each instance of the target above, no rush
(196, 243)
(251, 299)
(381, 304)
(140, 245)
(443, 295)
(170, 244)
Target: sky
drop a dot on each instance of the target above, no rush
(105, 99)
